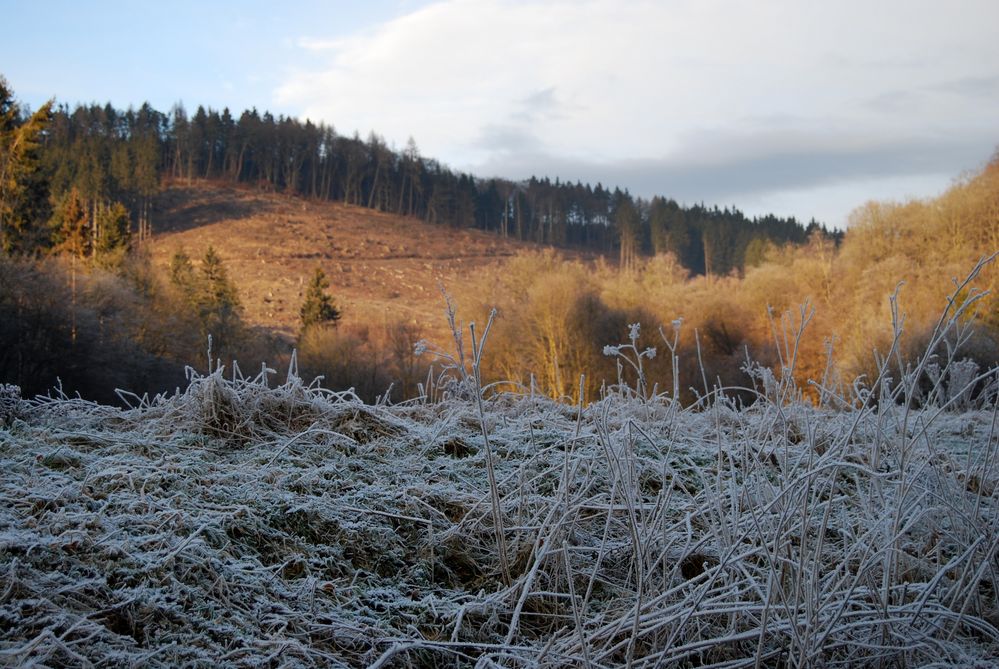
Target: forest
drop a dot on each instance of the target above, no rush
(103, 156)
(717, 294)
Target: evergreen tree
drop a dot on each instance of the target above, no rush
(182, 274)
(318, 308)
(757, 251)
(23, 189)
(218, 302)
(69, 223)
(110, 155)
(659, 226)
(113, 241)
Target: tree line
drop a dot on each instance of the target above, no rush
(91, 158)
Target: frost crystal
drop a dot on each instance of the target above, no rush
(10, 403)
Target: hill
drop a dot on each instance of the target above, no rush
(382, 267)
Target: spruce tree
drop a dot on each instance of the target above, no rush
(215, 299)
(113, 242)
(318, 308)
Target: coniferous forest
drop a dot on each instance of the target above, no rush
(92, 158)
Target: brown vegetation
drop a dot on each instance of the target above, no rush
(558, 314)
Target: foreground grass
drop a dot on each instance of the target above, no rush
(242, 524)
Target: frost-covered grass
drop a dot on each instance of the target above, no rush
(247, 523)
(238, 523)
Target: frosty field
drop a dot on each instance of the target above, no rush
(245, 522)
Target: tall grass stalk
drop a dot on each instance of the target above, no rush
(497, 509)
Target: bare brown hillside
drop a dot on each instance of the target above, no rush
(382, 267)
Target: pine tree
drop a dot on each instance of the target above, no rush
(318, 307)
(70, 221)
(659, 226)
(217, 297)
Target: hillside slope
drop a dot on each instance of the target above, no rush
(382, 267)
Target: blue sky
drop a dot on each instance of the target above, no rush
(218, 54)
(787, 106)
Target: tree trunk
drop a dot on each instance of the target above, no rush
(402, 194)
(374, 187)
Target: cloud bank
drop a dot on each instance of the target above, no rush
(720, 102)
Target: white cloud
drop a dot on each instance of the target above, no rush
(491, 85)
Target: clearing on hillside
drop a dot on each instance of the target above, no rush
(382, 267)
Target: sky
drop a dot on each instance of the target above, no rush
(793, 107)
